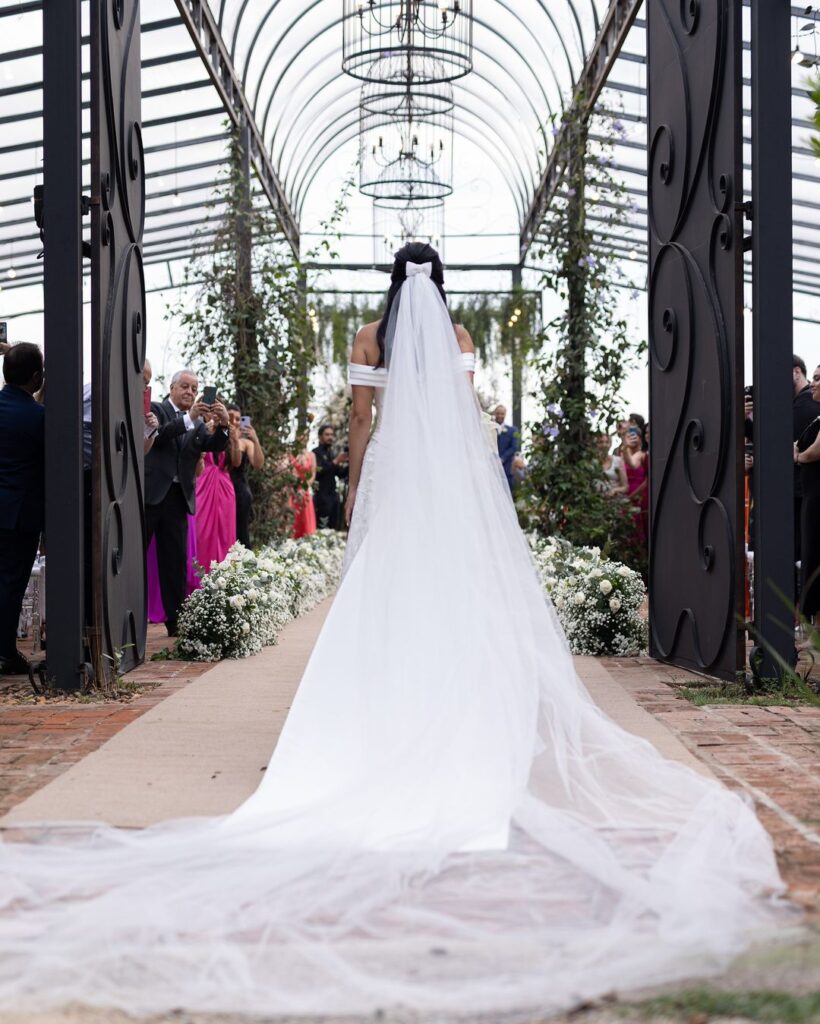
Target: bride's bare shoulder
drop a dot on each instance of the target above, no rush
(465, 342)
(366, 345)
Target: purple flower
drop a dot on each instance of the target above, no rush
(570, 191)
(556, 131)
(590, 260)
(634, 293)
(619, 127)
(593, 415)
(552, 431)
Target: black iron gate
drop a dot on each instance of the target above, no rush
(696, 333)
(117, 337)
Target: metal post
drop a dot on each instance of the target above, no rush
(516, 359)
(772, 334)
(63, 339)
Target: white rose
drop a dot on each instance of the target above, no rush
(615, 604)
(579, 597)
(623, 570)
(253, 593)
(246, 628)
(222, 583)
(605, 586)
(238, 601)
(595, 573)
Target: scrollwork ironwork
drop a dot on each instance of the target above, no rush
(694, 332)
(118, 334)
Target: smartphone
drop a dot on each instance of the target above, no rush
(209, 395)
(146, 400)
(244, 422)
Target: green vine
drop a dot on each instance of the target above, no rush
(246, 332)
(580, 376)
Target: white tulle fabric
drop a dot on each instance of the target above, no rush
(448, 823)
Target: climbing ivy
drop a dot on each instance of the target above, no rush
(246, 332)
(587, 352)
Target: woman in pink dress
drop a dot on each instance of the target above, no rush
(215, 509)
(301, 501)
(636, 463)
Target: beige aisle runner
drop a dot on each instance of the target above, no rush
(202, 750)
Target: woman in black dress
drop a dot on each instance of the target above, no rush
(807, 456)
(246, 452)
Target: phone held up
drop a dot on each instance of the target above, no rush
(245, 422)
(209, 395)
(146, 400)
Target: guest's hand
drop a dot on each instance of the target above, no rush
(349, 504)
(341, 458)
(749, 462)
(220, 414)
(151, 421)
(250, 434)
(199, 410)
(748, 408)
(4, 347)
(795, 452)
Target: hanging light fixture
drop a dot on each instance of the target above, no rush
(396, 222)
(432, 40)
(406, 142)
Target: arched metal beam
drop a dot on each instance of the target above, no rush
(510, 140)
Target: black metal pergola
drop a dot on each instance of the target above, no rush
(129, 103)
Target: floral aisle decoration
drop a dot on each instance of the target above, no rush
(598, 601)
(245, 600)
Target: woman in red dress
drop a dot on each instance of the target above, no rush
(301, 501)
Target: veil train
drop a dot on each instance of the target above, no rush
(448, 823)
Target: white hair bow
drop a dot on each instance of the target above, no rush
(419, 268)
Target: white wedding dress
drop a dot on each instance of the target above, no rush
(448, 824)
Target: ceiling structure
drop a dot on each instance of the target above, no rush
(282, 59)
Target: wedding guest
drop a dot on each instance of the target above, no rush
(156, 610)
(22, 490)
(170, 480)
(301, 501)
(246, 452)
(614, 473)
(805, 409)
(215, 505)
(807, 460)
(509, 443)
(636, 464)
(330, 467)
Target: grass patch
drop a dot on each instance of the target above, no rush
(790, 691)
(765, 1007)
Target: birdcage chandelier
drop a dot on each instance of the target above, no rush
(431, 39)
(406, 142)
(396, 222)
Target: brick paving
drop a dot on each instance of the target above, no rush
(772, 753)
(41, 738)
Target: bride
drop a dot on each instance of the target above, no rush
(448, 824)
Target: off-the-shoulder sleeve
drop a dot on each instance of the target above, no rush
(468, 361)
(366, 376)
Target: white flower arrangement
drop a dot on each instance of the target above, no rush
(245, 600)
(597, 601)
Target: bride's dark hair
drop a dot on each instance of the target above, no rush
(413, 252)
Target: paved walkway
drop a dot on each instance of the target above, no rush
(200, 751)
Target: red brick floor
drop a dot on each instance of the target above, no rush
(40, 738)
(771, 753)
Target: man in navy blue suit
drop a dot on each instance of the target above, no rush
(22, 490)
(509, 443)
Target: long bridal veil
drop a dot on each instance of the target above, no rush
(448, 822)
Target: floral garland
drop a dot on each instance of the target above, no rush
(245, 600)
(598, 601)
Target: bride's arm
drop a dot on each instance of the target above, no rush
(465, 343)
(361, 419)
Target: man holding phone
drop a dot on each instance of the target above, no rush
(170, 478)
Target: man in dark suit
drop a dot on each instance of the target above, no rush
(805, 410)
(329, 469)
(509, 443)
(22, 490)
(170, 481)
